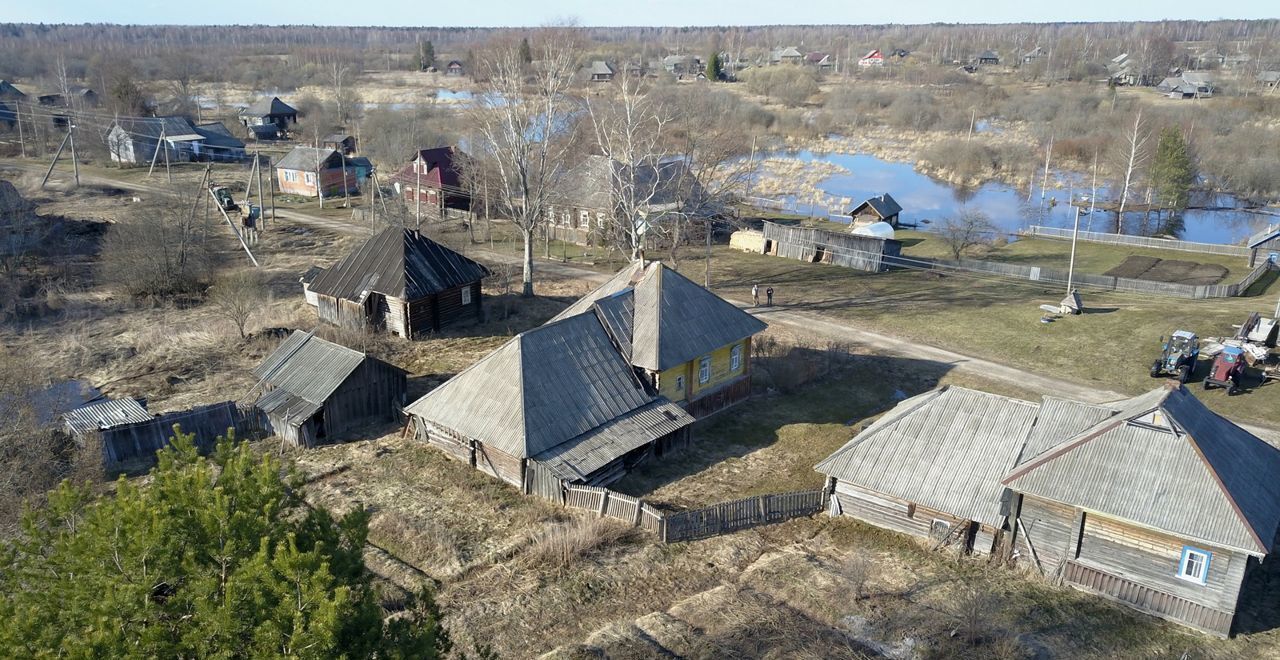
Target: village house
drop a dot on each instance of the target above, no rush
(269, 118)
(1033, 55)
(340, 142)
(788, 55)
(8, 115)
(636, 70)
(1121, 71)
(1154, 501)
(137, 141)
(297, 172)
(882, 208)
(588, 198)
(454, 69)
(219, 145)
(556, 404)
(77, 97)
(1268, 79)
(600, 71)
(10, 93)
(690, 345)
(988, 58)
(1190, 85)
(433, 180)
(400, 281)
(823, 61)
(872, 58)
(316, 390)
(1264, 244)
(682, 65)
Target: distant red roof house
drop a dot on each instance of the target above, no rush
(432, 175)
(873, 58)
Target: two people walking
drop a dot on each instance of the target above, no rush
(755, 295)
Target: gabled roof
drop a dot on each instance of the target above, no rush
(217, 136)
(1167, 462)
(105, 414)
(1264, 236)
(989, 55)
(884, 205)
(873, 54)
(336, 138)
(174, 128)
(945, 449)
(267, 107)
(1034, 52)
(789, 51)
(601, 68)
(306, 368)
(442, 172)
(673, 320)
(306, 158)
(400, 263)
(543, 388)
(8, 91)
(816, 57)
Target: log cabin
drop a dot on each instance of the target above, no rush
(554, 405)
(881, 208)
(689, 344)
(400, 281)
(316, 390)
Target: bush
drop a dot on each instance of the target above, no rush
(159, 253)
(558, 545)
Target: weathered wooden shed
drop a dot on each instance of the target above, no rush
(555, 404)
(400, 281)
(820, 246)
(129, 435)
(881, 208)
(317, 390)
(931, 467)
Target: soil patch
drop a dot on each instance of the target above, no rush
(1169, 270)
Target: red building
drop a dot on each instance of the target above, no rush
(431, 178)
(296, 173)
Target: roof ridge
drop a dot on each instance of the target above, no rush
(866, 434)
(520, 392)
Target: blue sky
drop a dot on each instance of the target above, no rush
(606, 12)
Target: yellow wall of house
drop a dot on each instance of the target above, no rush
(721, 373)
(669, 384)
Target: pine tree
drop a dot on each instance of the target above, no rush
(215, 557)
(426, 55)
(526, 54)
(714, 67)
(1172, 173)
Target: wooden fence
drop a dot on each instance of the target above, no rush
(706, 522)
(1141, 241)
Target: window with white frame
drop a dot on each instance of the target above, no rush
(735, 358)
(600, 219)
(704, 370)
(466, 295)
(1194, 566)
(584, 219)
(310, 178)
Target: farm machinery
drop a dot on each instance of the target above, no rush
(1178, 356)
(1227, 370)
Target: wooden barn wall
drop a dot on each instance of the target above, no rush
(433, 313)
(892, 513)
(497, 463)
(445, 439)
(143, 439)
(375, 390)
(343, 313)
(816, 245)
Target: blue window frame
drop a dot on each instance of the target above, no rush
(1194, 565)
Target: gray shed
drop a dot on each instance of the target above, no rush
(130, 436)
(882, 208)
(1263, 244)
(317, 390)
(868, 253)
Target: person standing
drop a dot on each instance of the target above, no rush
(755, 294)
(769, 295)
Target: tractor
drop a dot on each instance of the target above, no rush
(1227, 370)
(1178, 357)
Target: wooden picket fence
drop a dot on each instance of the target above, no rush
(714, 520)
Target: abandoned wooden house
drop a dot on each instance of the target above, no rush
(1190, 85)
(1155, 502)
(988, 57)
(138, 141)
(316, 390)
(823, 61)
(556, 404)
(130, 436)
(868, 253)
(432, 182)
(340, 142)
(10, 93)
(788, 55)
(298, 172)
(1263, 245)
(881, 208)
(932, 466)
(269, 118)
(454, 69)
(400, 281)
(600, 71)
(687, 343)
(589, 197)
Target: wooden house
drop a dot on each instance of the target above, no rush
(872, 58)
(137, 141)
(8, 114)
(1268, 79)
(297, 172)
(219, 145)
(316, 390)
(269, 118)
(1190, 85)
(988, 58)
(932, 466)
(883, 208)
(10, 93)
(1033, 55)
(823, 61)
(432, 179)
(130, 436)
(788, 55)
(600, 71)
(687, 343)
(400, 281)
(454, 69)
(340, 142)
(868, 253)
(1264, 244)
(556, 404)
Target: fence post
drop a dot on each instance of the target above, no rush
(604, 501)
(639, 511)
(764, 508)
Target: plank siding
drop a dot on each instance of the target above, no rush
(1049, 526)
(888, 512)
(497, 463)
(864, 253)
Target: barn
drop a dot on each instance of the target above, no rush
(130, 436)
(400, 281)
(316, 390)
(870, 253)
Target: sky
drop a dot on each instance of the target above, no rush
(523, 13)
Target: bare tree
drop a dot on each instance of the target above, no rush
(237, 296)
(1135, 154)
(520, 114)
(161, 251)
(966, 231)
(628, 132)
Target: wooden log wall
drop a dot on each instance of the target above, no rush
(864, 253)
(141, 440)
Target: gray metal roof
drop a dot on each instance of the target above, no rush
(945, 450)
(1167, 462)
(674, 320)
(1264, 236)
(308, 367)
(601, 67)
(1060, 419)
(217, 136)
(105, 414)
(400, 263)
(576, 459)
(884, 205)
(617, 313)
(545, 387)
(292, 409)
(309, 158)
(177, 129)
(266, 107)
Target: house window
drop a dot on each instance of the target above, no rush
(704, 370)
(600, 219)
(584, 219)
(310, 178)
(551, 215)
(466, 295)
(680, 383)
(1194, 566)
(735, 358)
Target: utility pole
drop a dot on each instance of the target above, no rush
(54, 161)
(751, 165)
(75, 162)
(257, 164)
(21, 139)
(417, 190)
(156, 154)
(1071, 269)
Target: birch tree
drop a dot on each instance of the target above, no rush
(520, 116)
(1134, 154)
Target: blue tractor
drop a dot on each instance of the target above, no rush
(1178, 357)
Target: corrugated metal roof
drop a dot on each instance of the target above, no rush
(287, 406)
(264, 107)
(578, 458)
(545, 387)
(617, 312)
(400, 263)
(105, 414)
(1167, 462)
(309, 158)
(308, 367)
(177, 129)
(1062, 419)
(945, 450)
(621, 281)
(217, 135)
